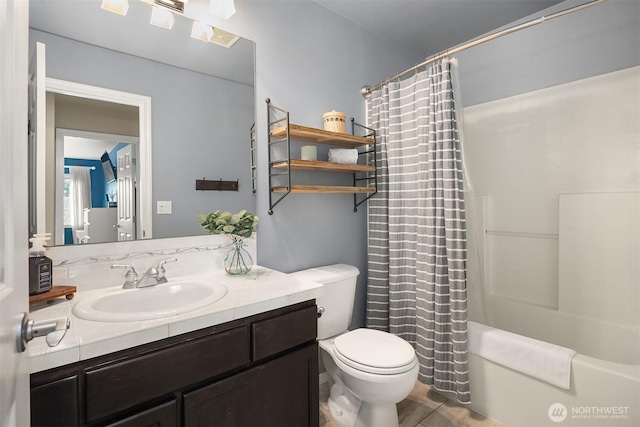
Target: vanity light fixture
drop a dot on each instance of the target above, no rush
(201, 31)
(222, 8)
(162, 15)
(175, 5)
(116, 6)
(162, 18)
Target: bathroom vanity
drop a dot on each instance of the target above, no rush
(257, 369)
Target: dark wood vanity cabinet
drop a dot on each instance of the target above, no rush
(258, 371)
(276, 393)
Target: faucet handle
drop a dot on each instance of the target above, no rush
(162, 271)
(161, 264)
(130, 277)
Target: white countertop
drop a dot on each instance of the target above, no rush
(259, 291)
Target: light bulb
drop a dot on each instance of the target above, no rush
(161, 17)
(201, 31)
(116, 6)
(222, 8)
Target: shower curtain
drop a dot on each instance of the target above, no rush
(417, 235)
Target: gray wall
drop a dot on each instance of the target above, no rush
(310, 61)
(200, 126)
(594, 41)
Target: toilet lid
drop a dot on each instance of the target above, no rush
(374, 351)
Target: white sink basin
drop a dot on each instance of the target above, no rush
(153, 302)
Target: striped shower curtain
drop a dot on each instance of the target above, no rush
(417, 236)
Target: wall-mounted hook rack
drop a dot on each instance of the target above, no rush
(220, 185)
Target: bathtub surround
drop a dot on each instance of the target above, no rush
(607, 291)
(574, 255)
(557, 169)
(417, 236)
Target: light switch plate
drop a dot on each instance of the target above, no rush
(163, 208)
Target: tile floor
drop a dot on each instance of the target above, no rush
(422, 408)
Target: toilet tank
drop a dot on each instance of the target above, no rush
(338, 297)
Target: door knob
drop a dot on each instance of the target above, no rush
(53, 329)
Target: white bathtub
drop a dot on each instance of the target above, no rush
(604, 393)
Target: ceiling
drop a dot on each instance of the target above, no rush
(426, 27)
(432, 26)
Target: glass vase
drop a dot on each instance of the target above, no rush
(238, 261)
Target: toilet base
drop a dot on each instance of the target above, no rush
(377, 415)
(343, 406)
(348, 411)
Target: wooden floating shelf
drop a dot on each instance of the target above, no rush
(324, 166)
(55, 292)
(335, 189)
(320, 136)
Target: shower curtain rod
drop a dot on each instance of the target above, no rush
(368, 89)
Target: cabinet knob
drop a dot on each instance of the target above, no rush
(320, 312)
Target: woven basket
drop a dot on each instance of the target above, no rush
(334, 121)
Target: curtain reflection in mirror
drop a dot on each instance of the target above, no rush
(80, 199)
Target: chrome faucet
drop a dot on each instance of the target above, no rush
(153, 276)
(162, 278)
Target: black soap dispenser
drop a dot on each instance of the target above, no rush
(40, 266)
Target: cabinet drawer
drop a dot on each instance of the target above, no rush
(115, 387)
(272, 336)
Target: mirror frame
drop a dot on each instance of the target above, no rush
(144, 199)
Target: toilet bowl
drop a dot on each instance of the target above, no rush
(371, 370)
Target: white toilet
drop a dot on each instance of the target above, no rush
(372, 370)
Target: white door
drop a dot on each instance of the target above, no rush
(126, 193)
(37, 141)
(14, 366)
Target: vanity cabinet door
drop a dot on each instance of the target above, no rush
(55, 403)
(282, 392)
(164, 415)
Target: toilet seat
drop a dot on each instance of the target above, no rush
(374, 352)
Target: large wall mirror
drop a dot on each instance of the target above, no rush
(126, 99)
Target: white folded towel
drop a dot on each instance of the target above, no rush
(539, 359)
(343, 155)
